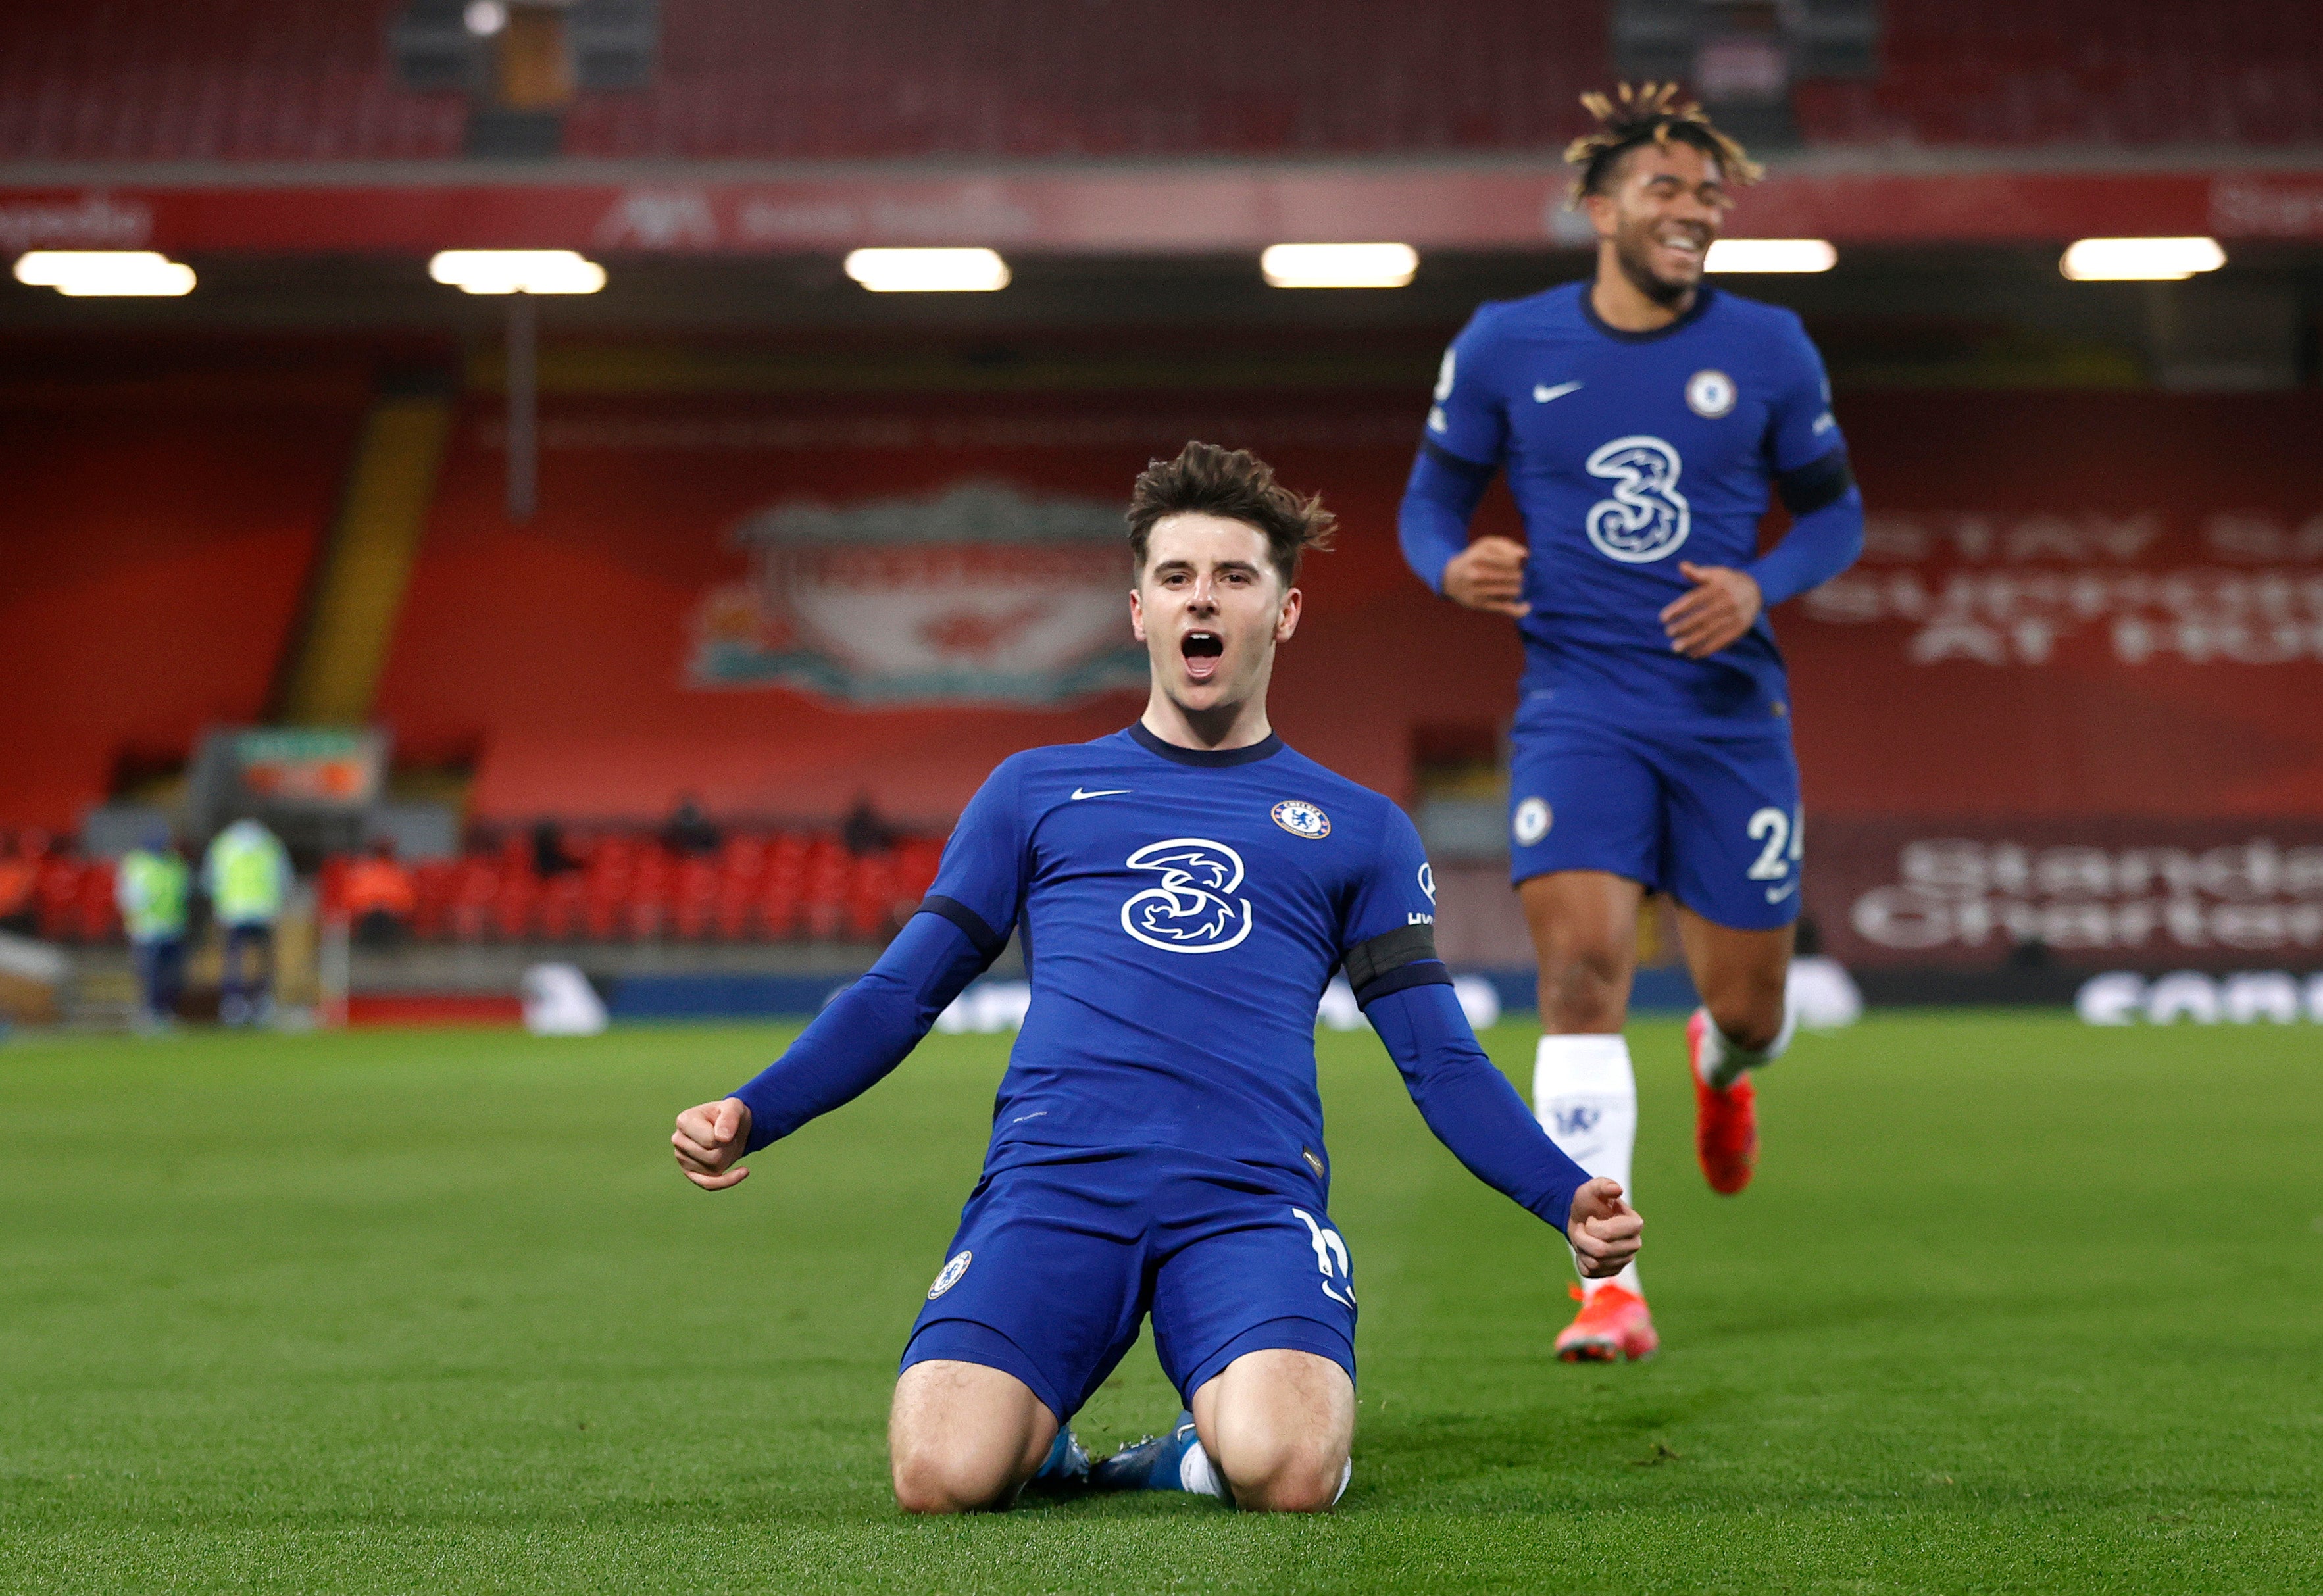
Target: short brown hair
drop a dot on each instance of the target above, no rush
(1234, 485)
(1649, 113)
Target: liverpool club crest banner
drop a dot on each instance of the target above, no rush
(976, 593)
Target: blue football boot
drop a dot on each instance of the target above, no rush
(1065, 1471)
(1174, 1461)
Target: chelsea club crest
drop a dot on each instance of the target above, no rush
(952, 1271)
(1302, 818)
(1709, 393)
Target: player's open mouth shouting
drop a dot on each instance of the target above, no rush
(1204, 652)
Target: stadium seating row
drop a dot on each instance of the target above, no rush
(213, 80)
(2140, 72)
(756, 887)
(275, 79)
(624, 887)
(69, 900)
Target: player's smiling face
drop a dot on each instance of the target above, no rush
(1660, 213)
(1209, 608)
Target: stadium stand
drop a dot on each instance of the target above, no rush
(211, 80)
(559, 650)
(2126, 72)
(1056, 77)
(763, 885)
(273, 79)
(160, 535)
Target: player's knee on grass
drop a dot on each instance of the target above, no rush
(1279, 1426)
(1291, 1474)
(962, 1439)
(932, 1481)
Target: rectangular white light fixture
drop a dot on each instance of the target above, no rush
(928, 272)
(1338, 265)
(119, 274)
(517, 271)
(1770, 254)
(2140, 260)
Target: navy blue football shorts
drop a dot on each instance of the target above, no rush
(1712, 820)
(1062, 1253)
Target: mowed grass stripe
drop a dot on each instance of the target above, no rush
(2015, 1305)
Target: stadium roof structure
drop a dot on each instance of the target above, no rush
(1136, 127)
(1116, 208)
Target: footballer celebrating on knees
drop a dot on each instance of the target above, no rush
(1642, 419)
(1184, 890)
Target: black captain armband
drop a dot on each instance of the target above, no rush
(1456, 464)
(986, 941)
(1393, 961)
(1816, 483)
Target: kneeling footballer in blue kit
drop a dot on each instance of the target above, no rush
(1183, 891)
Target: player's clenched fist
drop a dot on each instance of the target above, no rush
(710, 1138)
(1488, 575)
(1604, 1230)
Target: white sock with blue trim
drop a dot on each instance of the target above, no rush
(1585, 1096)
(1724, 1060)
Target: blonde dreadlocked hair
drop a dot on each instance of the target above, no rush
(1649, 113)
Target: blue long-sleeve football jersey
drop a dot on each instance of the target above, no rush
(1628, 453)
(1180, 912)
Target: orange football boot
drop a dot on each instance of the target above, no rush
(1725, 1123)
(1613, 1324)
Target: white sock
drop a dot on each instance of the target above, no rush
(1586, 1096)
(1724, 1060)
(1198, 1474)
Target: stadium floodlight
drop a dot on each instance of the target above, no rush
(1338, 265)
(2140, 260)
(928, 272)
(1770, 254)
(486, 18)
(111, 274)
(517, 271)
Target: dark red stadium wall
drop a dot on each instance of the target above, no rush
(156, 543)
(2124, 611)
(559, 650)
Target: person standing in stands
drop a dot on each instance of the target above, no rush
(689, 831)
(247, 875)
(155, 888)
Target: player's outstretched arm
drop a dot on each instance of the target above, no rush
(1474, 1110)
(1604, 1230)
(710, 1139)
(861, 1036)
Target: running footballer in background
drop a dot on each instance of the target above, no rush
(1642, 419)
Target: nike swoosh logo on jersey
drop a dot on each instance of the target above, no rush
(1101, 793)
(1541, 395)
(1776, 894)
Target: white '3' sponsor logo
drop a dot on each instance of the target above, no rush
(1193, 910)
(1646, 518)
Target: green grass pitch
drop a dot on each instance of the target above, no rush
(2015, 1305)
